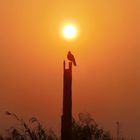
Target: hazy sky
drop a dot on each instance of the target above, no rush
(106, 81)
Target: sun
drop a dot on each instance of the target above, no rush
(69, 31)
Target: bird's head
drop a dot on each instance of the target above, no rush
(69, 52)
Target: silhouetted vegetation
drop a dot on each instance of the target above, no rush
(85, 128)
(28, 131)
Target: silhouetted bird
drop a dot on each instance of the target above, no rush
(70, 57)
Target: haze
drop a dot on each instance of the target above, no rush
(106, 81)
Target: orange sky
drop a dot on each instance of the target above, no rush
(107, 78)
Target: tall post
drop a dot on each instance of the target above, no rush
(118, 130)
(66, 122)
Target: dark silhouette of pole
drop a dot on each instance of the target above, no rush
(118, 130)
(66, 122)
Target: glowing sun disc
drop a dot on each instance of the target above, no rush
(69, 31)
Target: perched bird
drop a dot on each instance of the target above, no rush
(70, 57)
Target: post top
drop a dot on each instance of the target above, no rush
(69, 65)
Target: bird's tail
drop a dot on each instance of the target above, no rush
(74, 62)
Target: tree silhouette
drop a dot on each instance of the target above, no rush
(87, 129)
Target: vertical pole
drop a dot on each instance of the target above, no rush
(118, 130)
(66, 122)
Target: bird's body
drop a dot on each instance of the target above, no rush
(70, 57)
